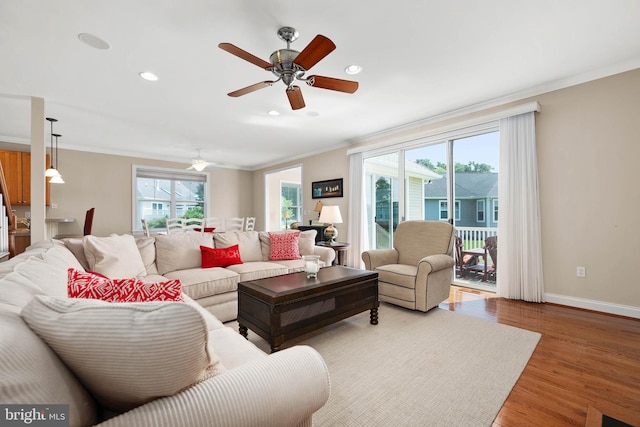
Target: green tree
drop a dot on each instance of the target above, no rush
(473, 167)
(194, 212)
(439, 167)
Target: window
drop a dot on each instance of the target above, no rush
(290, 203)
(444, 210)
(167, 193)
(495, 210)
(479, 210)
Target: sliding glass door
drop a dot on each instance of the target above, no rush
(454, 178)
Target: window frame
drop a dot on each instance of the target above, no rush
(482, 210)
(167, 174)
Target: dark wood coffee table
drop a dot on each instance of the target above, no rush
(283, 307)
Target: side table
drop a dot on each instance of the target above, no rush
(340, 248)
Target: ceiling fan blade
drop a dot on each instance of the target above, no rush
(319, 47)
(249, 89)
(295, 97)
(332, 84)
(243, 54)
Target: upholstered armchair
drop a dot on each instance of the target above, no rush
(417, 272)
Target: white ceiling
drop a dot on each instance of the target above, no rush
(420, 59)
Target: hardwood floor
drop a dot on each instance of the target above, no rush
(583, 358)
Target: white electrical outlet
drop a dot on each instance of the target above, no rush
(581, 272)
(54, 206)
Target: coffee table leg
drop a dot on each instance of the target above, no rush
(243, 331)
(374, 316)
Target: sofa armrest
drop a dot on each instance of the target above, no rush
(327, 255)
(283, 389)
(376, 257)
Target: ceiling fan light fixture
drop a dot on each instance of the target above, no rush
(199, 165)
(353, 69)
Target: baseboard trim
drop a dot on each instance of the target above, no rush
(605, 307)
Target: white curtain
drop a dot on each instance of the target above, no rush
(519, 242)
(357, 212)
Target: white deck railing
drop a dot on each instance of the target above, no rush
(473, 237)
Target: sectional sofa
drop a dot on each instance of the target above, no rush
(160, 363)
(179, 256)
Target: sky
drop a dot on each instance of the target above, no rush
(480, 149)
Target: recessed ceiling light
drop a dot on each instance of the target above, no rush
(313, 114)
(273, 113)
(94, 41)
(352, 69)
(148, 75)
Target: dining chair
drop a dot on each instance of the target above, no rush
(215, 223)
(88, 221)
(174, 225)
(233, 224)
(193, 224)
(145, 227)
(249, 223)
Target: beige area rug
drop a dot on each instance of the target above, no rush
(417, 369)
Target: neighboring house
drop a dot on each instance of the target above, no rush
(154, 197)
(476, 199)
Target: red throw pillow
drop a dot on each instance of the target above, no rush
(285, 245)
(220, 257)
(135, 290)
(96, 286)
(90, 285)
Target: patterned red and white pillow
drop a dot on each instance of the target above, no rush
(135, 290)
(220, 257)
(285, 245)
(93, 285)
(90, 285)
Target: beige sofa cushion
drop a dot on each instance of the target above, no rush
(75, 245)
(126, 354)
(203, 282)
(258, 270)
(116, 257)
(147, 248)
(247, 241)
(180, 251)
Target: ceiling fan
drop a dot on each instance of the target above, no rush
(289, 65)
(198, 163)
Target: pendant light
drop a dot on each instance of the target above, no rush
(51, 171)
(57, 179)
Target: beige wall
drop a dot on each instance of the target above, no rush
(104, 182)
(588, 140)
(330, 165)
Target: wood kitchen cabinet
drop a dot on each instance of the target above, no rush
(17, 171)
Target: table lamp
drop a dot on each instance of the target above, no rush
(330, 215)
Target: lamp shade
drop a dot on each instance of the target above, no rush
(330, 215)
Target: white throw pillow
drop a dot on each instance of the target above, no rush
(248, 242)
(126, 354)
(116, 257)
(180, 251)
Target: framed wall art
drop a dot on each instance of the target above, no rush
(326, 189)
